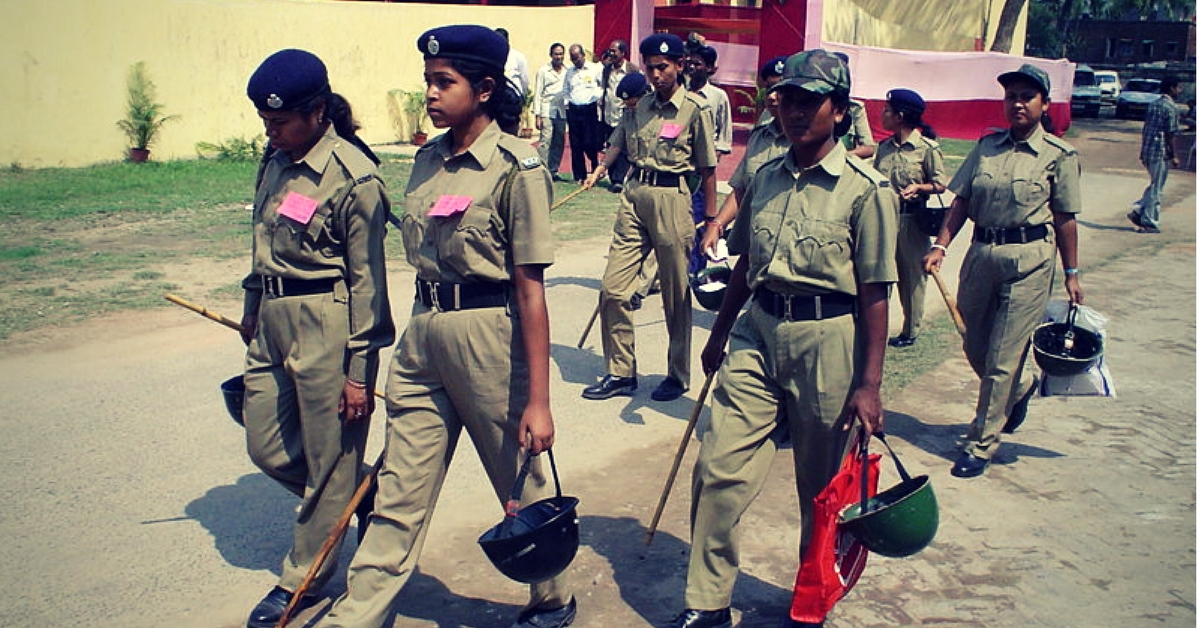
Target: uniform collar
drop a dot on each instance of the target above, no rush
(482, 150)
(1036, 140)
(319, 156)
(913, 139)
(676, 99)
(833, 163)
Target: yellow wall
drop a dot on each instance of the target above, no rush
(63, 64)
(943, 25)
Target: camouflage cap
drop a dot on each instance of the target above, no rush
(816, 71)
(1028, 72)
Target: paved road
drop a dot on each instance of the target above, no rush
(129, 501)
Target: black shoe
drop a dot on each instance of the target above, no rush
(1135, 218)
(363, 511)
(692, 618)
(788, 622)
(669, 390)
(611, 386)
(616, 188)
(900, 342)
(1019, 410)
(1148, 229)
(270, 609)
(635, 301)
(969, 465)
(560, 617)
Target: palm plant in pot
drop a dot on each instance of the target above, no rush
(414, 108)
(144, 117)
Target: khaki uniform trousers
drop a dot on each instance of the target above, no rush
(805, 372)
(1002, 294)
(451, 371)
(911, 246)
(294, 379)
(657, 219)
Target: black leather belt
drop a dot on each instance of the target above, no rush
(654, 177)
(1015, 235)
(452, 297)
(913, 206)
(814, 307)
(284, 287)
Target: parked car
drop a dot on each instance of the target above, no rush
(1136, 97)
(1085, 95)
(1110, 85)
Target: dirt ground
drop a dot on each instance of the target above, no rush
(130, 501)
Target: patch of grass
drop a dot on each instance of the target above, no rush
(901, 366)
(19, 252)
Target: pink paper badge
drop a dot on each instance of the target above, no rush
(450, 204)
(670, 131)
(297, 207)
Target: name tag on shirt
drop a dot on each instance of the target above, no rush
(670, 130)
(450, 204)
(298, 207)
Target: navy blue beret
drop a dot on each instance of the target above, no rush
(287, 80)
(774, 67)
(468, 42)
(907, 100)
(632, 85)
(662, 44)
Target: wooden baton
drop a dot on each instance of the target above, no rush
(950, 304)
(683, 444)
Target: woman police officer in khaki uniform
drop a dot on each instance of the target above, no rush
(667, 137)
(316, 309)
(817, 236)
(1021, 189)
(913, 163)
(475, 355)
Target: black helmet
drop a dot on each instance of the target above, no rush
(709, 285)
(1063, 349)
(537, 542)
(898, 522)
(234, 391)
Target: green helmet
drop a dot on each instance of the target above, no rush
(898, 522)
(234, 392)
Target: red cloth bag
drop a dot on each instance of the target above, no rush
(834, 559)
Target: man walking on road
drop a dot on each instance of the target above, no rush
(1158, 155)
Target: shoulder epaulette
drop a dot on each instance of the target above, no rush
(1059, 143)
(696, 100)
(931, 143)
(520, 150)
(354, 161)
(867, 170)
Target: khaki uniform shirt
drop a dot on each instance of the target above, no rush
(860, 129)
(916, 160)
(488, 238)
(1009, 183)
(641, 134)
(818, 230)
(342, 240)
(766, 143)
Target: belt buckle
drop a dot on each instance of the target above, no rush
(993, 235)
(272, 286)
(433, 294)
(787, 307)
(817, 307)
(1024, 235)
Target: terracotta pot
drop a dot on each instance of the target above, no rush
(525, 133)
(139, 155)
(418, 139)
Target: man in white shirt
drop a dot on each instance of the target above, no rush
(582, 94)
(516, 68)
(616, 67)
(550, 113)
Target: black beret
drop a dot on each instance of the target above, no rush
(287, 80)
(906, 99)
(632, 85)
(774, 67)
(468, 42)
(664, 44)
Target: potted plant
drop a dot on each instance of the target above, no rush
(143, 116)
(414, 110)
(527, 122)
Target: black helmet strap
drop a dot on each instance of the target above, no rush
(513, 506)
(864, 441)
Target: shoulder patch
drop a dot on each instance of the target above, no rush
(355, 162)
(867, 171)
(520, 150)
(929, 142)
(696, 100)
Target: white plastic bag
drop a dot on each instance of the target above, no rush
(1094, 382)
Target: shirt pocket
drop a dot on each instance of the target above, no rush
(670, 152)
(413, 227)
(818, 251)
(1031, 190)
(474, 246)
(296, 242)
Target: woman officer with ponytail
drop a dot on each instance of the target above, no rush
(316, 310)
(475, 355)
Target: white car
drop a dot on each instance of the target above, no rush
(1110, 85)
